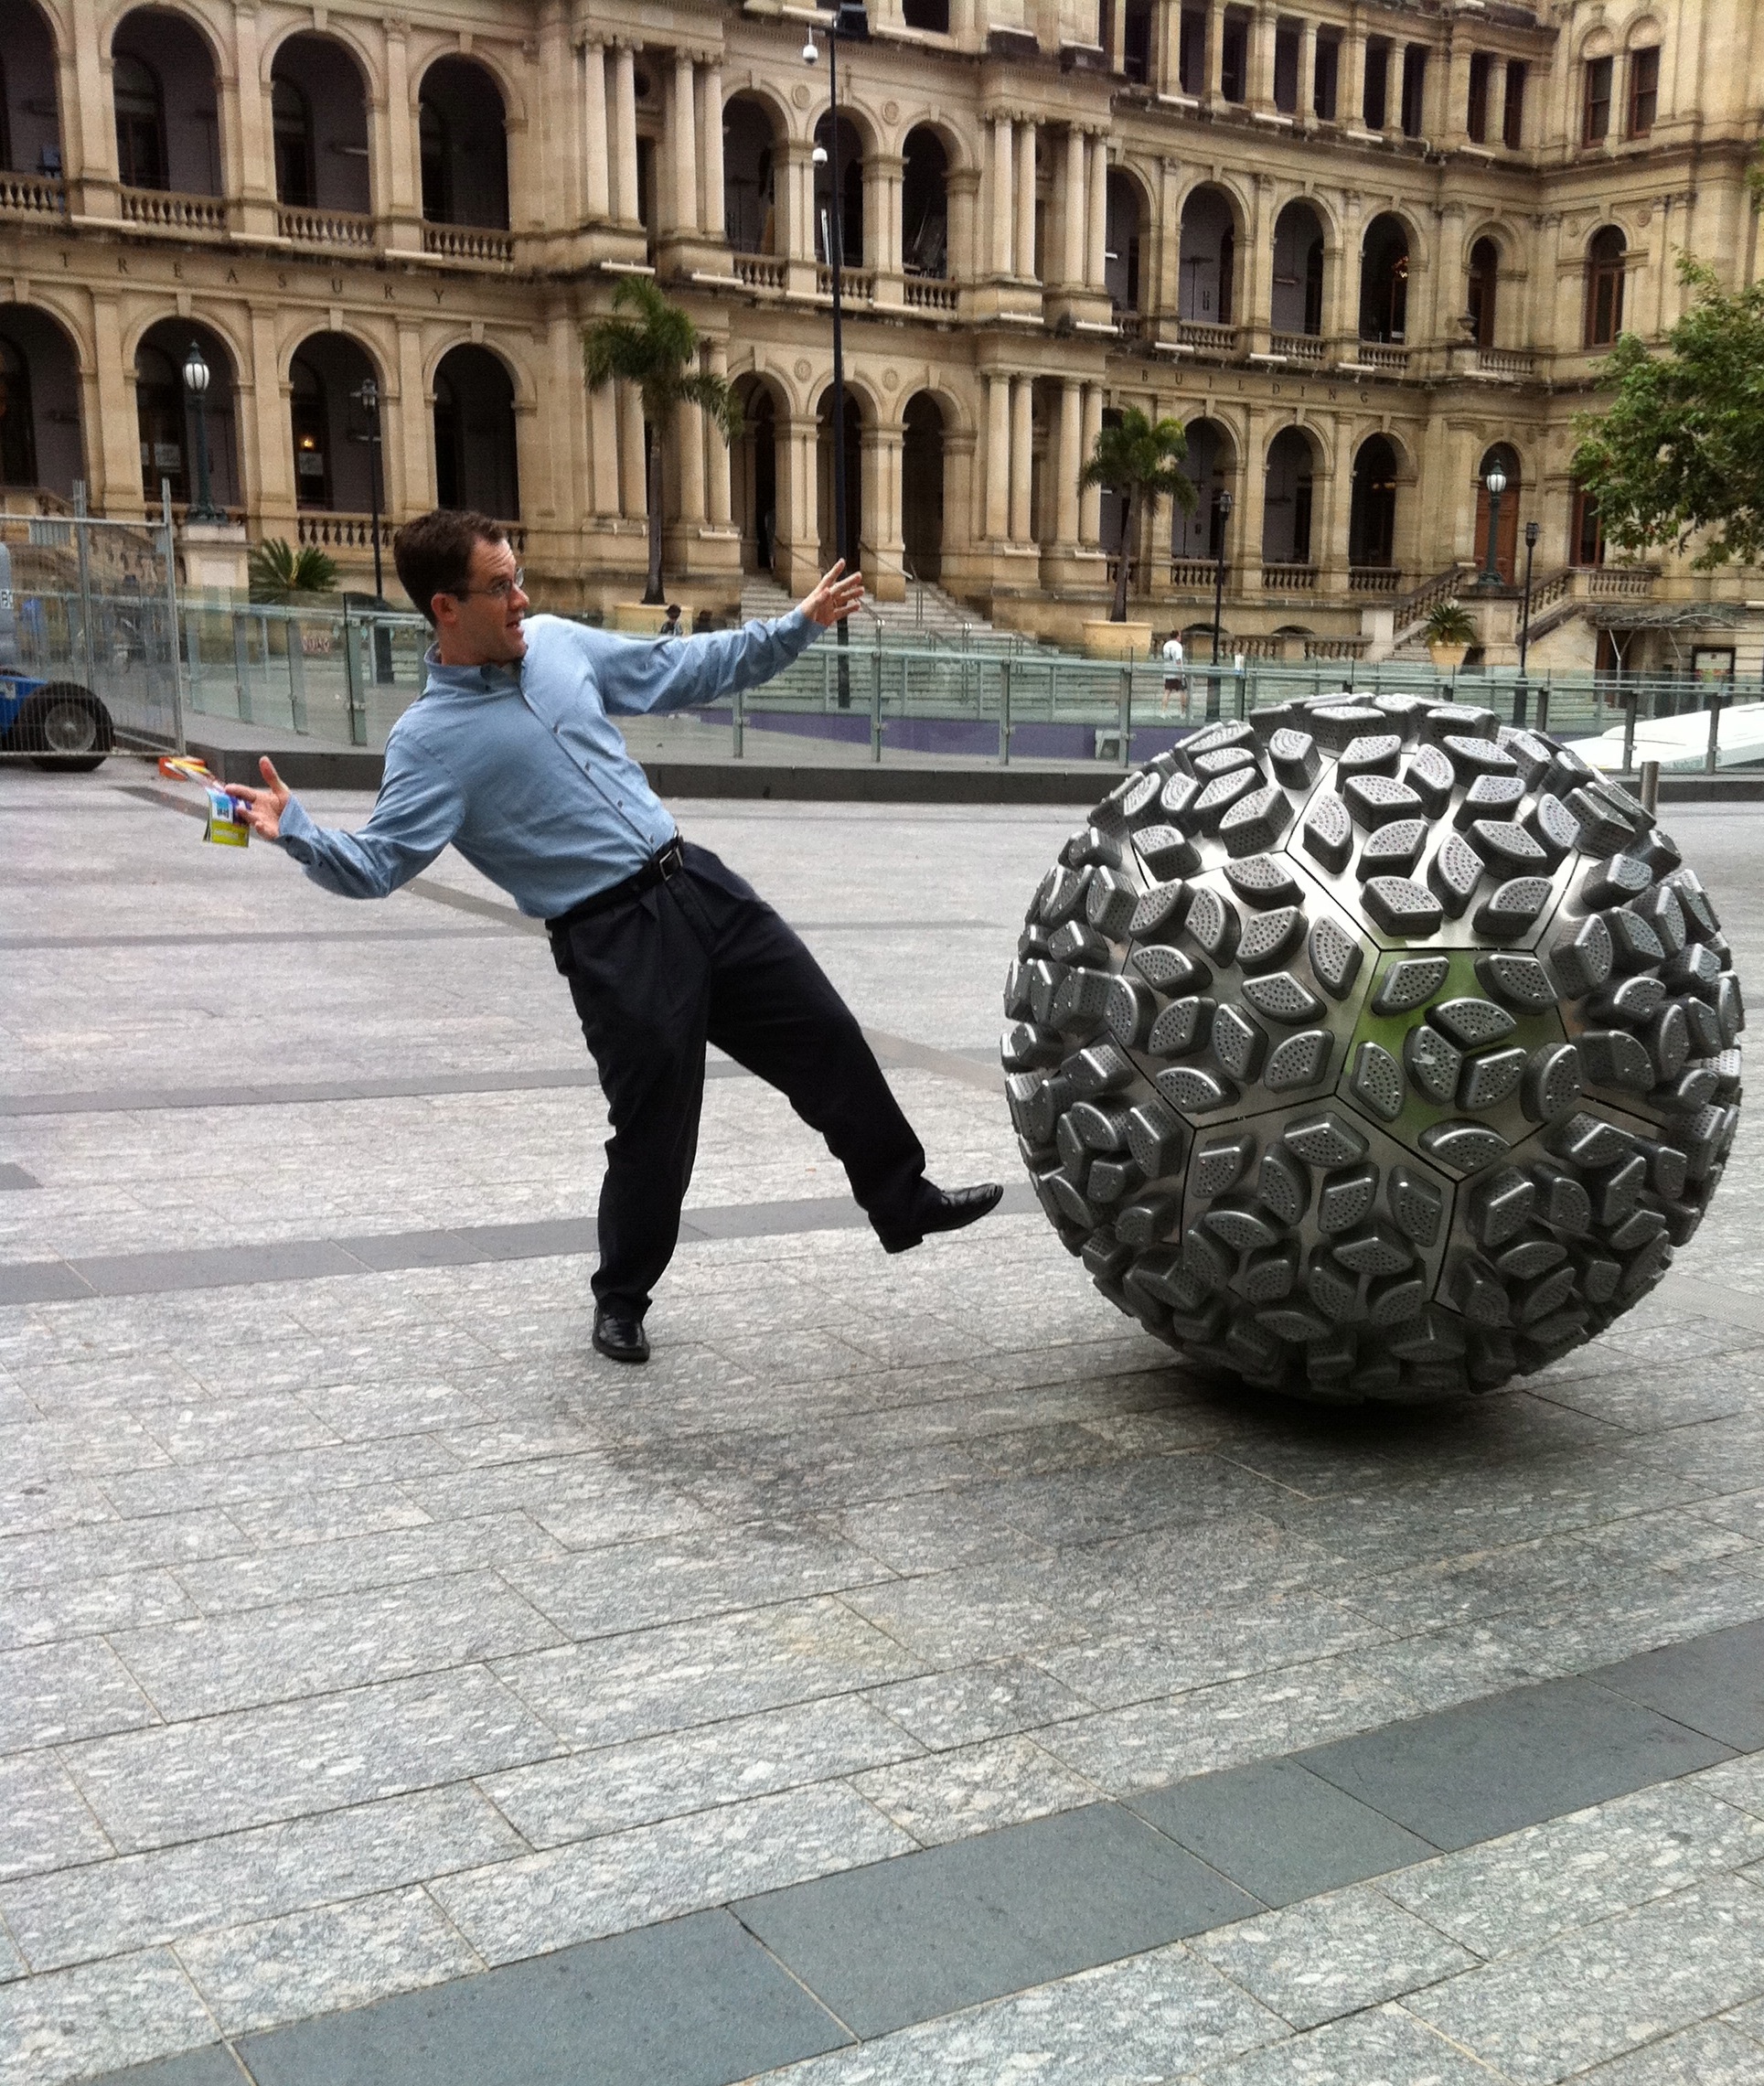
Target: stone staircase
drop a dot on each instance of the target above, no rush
(928, 616)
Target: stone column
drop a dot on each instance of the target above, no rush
(1350, 75)
(402, 200)
(1022, 456)
(1077, 210)
(884, 551)
(997, 457)
(252, 175)
(1068, 464)
(689, 441)
(624, 133)
(795, 191)
(1251, 509)
(1167, 51)
(113, 441)
(89, 127)
(710, 151)
(1090, 501)
(1497, 120)
(718, 446)
(598, 184)
(1455, 130)
(413, 427)
(1307, 109)
(603, 431)
(1025, 149)
(1261, 58)
(1003, 245)
(1213, 77)
(798, 515)
(1096, 238)
(1255, 293)
(683, 155)
(263, 433)
(634, 490)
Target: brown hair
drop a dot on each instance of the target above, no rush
(434, 554)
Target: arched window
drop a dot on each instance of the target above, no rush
(5, 116)
(1372, 519)
(922, 485)
(1121, 241)
(475, 435)
(1384, 280)
(750, 157)
(140, 124)
(17, 428)
(310, 411)
(293, 120)
(1485, 278)
(1209, 466)
(1209, 258)
(465, 147)
(925, 205)
(1287, 499)
(1605, 288)
(1644, 89)
(1297, 301)
(849, 187)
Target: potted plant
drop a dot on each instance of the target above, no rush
(1449, 633)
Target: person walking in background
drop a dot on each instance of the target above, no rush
(511, 757)
(670, 622)
(1175, 681)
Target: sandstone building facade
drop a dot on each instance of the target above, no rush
(1362, 248)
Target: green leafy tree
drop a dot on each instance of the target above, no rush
(1141, 459)
(1679, 453)
(656, 348)
(277, 572)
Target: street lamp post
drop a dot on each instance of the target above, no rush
(367, 396)
(1520, 694)
(1222, 506)
(851, 22)
(195, 386)
(1490, 580)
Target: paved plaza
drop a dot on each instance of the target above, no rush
(912, 1677)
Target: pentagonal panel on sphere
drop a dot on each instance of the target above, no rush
(1372, 1050)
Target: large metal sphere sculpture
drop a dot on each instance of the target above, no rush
(1373, 1050)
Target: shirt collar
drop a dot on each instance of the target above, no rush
(469, 680)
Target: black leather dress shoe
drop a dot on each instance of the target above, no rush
(619, 1336)
(943, 1209)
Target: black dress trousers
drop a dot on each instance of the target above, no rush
(702, 958)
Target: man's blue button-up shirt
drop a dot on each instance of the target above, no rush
(523, 770)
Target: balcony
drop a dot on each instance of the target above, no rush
(33, 196)
(165, 210)
(1306, 348)
(932, 294)
(469, 242)
(1375, 579)
(1191, 575)
(758, 271)
(1506, 363)
(326, 228)
(1389, 359)
(1199, 336)
(1289, 579)
(857, 286)
(325, 531)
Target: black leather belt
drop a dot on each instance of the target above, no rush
(665, 862)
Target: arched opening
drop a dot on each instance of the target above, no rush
(30, 131)
(1484, 284)
(39, 403)
(1208, 259)
(755, 474)
(165, 416)
(167, 120)
(1286, 499)
(1605, 288)
(1297, 301)
(846, 182)
(475, 434)
(1506, 525)
(1384, 280)
(1209, 465)
(750, 157)
(925, 205)
(853, 477)
(1371, 518)
(464, 137)
(320, 111)
(921, 484)
(332, 459)
(1121, 255)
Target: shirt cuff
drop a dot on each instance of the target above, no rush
(298, 832)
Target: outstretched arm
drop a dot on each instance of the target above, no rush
(639, 677)
(418, 811)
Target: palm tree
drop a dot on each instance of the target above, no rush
(1139, 459)
(657, 350)
(277, 571)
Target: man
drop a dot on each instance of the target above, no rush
(1173, 682)
(510, 756)
(670, 622)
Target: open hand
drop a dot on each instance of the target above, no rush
(835, 598)
(262, 807)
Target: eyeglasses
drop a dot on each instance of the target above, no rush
(498, 590)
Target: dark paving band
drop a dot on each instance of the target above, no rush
(720, 1994)
(380, 1253)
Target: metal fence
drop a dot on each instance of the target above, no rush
(91, 605)
(340, 675)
